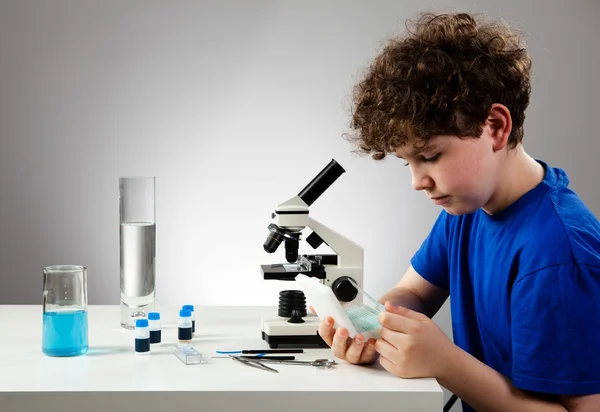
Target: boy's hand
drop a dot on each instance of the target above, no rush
(411, 344)
(355, 350)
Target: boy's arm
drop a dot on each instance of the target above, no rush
(487, 390)
(416, 293)
(413, 346)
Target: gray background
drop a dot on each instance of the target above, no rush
(234, 106)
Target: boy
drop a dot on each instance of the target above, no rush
(515, 249)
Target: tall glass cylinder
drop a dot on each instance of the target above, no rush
(65, 323)
(138, 248)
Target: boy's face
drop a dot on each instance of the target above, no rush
(458, 174)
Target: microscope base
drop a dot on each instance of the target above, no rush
(300, 342)
(278, 331)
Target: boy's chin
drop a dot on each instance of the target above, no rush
(459, 209)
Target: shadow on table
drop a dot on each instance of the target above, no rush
(105, 350)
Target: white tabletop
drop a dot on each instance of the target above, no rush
(112, 377)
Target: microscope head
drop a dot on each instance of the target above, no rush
(291, 218)
(292, 215)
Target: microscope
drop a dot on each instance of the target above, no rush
(293, 325)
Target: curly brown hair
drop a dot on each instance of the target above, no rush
(441, 78)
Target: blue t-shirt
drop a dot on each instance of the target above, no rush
(524, 287)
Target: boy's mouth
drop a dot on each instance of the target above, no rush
(440, 200)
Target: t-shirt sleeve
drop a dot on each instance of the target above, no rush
(431, 260)
(555, 316)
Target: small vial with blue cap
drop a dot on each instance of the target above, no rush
(184, 330)
(154, 326)
(191, 309)
(142, 337)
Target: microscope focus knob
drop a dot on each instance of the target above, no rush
(343, 289)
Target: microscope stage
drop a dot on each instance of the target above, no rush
(288, 271)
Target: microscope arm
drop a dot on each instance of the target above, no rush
(350, 254)
(349, 263)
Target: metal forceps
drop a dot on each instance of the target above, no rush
(318, 363)
(253, 363)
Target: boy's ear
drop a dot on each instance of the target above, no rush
(499, 122)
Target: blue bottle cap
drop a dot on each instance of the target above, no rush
(153, 316)
(188, 307)
(184, 313)
(141, 323)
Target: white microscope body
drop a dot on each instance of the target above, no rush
(290, 327)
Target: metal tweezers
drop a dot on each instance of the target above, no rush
(253, 363)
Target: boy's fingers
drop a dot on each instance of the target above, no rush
(355, 350)
(397, 323)
(401, 310)
(312, 309)
(326, 330)
(386, 349)
(340, 343)
(369, 353)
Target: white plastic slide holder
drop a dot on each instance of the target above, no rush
(325, 303)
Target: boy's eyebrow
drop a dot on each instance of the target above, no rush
(418, 150)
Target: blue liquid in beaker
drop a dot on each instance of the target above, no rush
(65, 333)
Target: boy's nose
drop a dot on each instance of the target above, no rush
(421, 181)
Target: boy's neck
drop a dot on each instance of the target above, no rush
(519, 174)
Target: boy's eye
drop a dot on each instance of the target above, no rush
(430, 159)
(424, 159)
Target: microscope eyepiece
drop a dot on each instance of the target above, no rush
(321, 182)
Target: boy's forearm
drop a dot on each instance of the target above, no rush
(474, 382)
(487, 390)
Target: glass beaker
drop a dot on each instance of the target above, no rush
(137, 248)
(65, 323)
